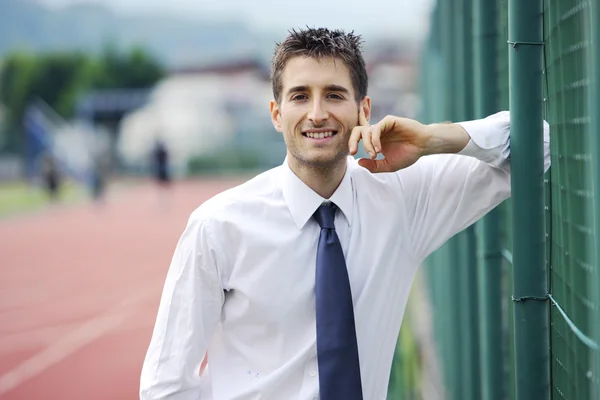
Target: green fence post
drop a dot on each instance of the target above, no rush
(448, 53)
(466, 265)
(469, 322)
(490, 275)
(530, 288)
(593, 104)
(470, 234)
(453, 360)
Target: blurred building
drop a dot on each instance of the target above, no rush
(393, 83)
(202, 112)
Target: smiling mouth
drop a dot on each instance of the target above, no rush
(319, 135)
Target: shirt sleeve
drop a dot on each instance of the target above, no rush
(446, 193)
(188, 313)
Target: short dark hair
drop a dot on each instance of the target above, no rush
(321, 43)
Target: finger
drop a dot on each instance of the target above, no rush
(389, 123)
(376, 137)
(368, 145)
(362, 118)
(354, 139)
(375, 166)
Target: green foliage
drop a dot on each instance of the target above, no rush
(133, 71)
(59, 78)
(405, 376)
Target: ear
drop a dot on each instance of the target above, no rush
(365, 104)
(275, 116)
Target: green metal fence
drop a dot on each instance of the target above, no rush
(469, 70)
(571, 265)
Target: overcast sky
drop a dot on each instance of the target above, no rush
(372, 16)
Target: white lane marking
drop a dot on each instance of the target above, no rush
(87, 333)
(34, 338)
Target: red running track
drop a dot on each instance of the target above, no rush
(79, 290)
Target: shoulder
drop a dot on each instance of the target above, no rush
(222, 206)
(215, 225)
(396, 185)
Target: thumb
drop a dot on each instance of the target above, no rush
(374, 166)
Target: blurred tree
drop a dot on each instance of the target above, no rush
(133, 70)
(17, 83)
(16, 88)
(59, 78)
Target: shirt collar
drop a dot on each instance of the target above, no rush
(303, 201)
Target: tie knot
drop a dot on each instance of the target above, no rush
(325, 216)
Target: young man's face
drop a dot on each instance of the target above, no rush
(317, 111)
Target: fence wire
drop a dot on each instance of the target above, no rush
(570, 225)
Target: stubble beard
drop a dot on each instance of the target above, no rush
(323, 165)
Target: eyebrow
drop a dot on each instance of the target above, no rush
(305, 88)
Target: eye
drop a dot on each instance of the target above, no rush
(335, 96)
(299, 97)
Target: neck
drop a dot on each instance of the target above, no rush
(323, 180)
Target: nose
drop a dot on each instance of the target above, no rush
(318, 113)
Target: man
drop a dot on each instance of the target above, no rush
(160, 164)
(160, 161)
(51, 175)
(294, 284)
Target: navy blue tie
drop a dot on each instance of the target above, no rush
(337, 349)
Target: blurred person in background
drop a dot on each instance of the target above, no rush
(51, 176)
(160, 162)
(293, 285)
(160, 165)
(100, 174)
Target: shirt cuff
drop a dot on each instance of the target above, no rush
(490, 138)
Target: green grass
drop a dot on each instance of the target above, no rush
(21, 197)
(405, 377)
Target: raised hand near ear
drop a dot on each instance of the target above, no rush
(402, 141)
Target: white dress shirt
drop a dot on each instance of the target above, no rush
(240, 285)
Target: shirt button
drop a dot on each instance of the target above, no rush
(313, 373)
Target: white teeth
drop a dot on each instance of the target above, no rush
(321, 135)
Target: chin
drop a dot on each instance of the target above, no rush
(325, 161)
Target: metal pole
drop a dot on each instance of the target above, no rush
(455, 357)
(470, 238)
(593, 104)
(452, 344)
(456, 361)
(466, 240)
(485, 32)
(530, 286)
(448, 53)
(469, 321)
